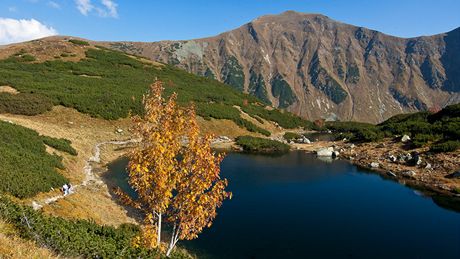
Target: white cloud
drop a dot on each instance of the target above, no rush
(106, 8)
(84, 6)
(111, 8)
(12, 31)
(54, 5)
(12, 9)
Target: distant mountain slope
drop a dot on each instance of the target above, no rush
(317, 67)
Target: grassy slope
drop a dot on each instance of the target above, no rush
(110, 85)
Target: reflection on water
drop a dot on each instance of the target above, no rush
(297, 206)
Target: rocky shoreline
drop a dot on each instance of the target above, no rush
(438, 173)
(418, 168)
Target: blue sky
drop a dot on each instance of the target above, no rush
(152, 20)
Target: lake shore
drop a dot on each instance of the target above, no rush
(432, 173)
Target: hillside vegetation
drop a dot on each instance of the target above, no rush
(110, 85)
(79, 238)
(440, 131)
(261, 145)
(26, 168)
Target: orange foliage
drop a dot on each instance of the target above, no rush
(174, 171)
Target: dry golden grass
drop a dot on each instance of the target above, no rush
(222, 128)
(11, 246)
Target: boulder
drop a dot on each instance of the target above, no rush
(374, 165)
(408, 173)
(119, 131)
(392, 158)
(414, 159)
(325, 152)
(428, 166)
(405, 138)
(306, 140)
(335, 154)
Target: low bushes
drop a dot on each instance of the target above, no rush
(25, 167)
(440, 130)
(356, 131)
(60, 144)
(79, 42)
(79, 238)
(261, 145)
(24, 104)
(447, 146)
(291, 136)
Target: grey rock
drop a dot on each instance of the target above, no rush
(408, 173)
(374, 165)
(405, 138)
(325, 152)
(335, 154)
(392, 158)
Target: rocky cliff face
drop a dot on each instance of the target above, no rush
(320, 68)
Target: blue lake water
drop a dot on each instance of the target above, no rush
(297, 206)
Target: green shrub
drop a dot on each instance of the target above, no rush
(80, 238)
(79, 42)
(60, 144)
(24, 104)
(284, 119)
(261, 145)
(420, 139)
(291, 136)
(448, 146)
(25, 167)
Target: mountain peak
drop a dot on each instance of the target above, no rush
(317, 67)
(291, 15)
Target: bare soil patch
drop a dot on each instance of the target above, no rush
(8, 89)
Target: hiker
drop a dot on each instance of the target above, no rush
(69, 190)
(65, 189)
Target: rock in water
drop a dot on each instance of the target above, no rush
(335, 154)
(325, 152)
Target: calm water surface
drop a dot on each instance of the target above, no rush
(297, 206)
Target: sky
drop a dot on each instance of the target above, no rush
(154, 20)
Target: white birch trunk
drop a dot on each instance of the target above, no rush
(174, 239)
(159, 230)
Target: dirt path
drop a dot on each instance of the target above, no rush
(90, 177)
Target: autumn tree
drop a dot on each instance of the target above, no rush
(174, 172)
